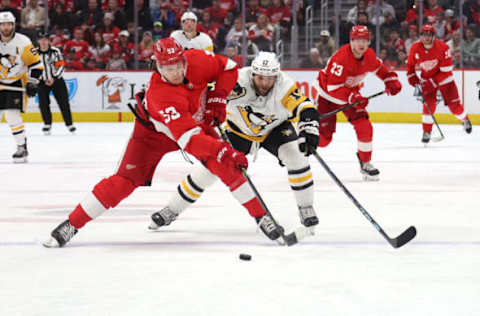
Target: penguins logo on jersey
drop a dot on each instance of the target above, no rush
(237, 92)
(7, 63)
(255, 121)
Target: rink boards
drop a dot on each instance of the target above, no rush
(103, 96)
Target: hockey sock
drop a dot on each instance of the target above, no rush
(14, 120)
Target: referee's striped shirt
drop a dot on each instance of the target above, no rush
(53, 63)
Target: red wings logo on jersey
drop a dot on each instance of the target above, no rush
(354, 81)
(428, 65)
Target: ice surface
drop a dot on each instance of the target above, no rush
(115, 266)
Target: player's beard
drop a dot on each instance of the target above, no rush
(7, 35)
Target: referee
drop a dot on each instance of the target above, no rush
(52, 80)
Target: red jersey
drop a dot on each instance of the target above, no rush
(80, 48)
(178, 110)
(434, 63)
(278, 14)
(344, 74)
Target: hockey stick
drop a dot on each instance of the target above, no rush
(290, 239)
(11, 88)
(346, 107)
(397, 242)
(437, 138)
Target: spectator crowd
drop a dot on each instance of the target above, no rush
(99, 34)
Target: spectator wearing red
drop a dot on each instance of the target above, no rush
(125, 47)
(471, 9)
(412, 14)
(452, 23)
(109, 31)
(78, 45)
(217, 13)
(145, 50)
(69, 5)
(105, 3)
(71, 61)
(279, 13)
(99, 50)
(206, 25)
(252, 12)
(180, 10)
(58, 39)
(7, 5)
(261, 34)
(395, 43)
(229, 5)
(432, 10)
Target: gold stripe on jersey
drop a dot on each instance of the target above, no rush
(30, 56)
(209, 48)
(17, 128)
(257, 139)
(293, 98)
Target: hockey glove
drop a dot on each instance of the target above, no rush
(356, 97)
(308, 131)
(428, 87)
(216, 107)
(31, 89)
(231, 157)
(413, 79)
(393, 86)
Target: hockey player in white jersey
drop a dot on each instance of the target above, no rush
(20, 68)
(188, 37)
(260, 112)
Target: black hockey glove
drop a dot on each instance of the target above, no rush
(308, 131)
(31, 89)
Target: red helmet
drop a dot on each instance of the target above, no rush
(167, 51)
(359, 31)
(427, 28)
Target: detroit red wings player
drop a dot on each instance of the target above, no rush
(172, 117)
(435, 62)
(340, 82)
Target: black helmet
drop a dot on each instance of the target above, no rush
(43, 34)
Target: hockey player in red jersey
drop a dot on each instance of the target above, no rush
(339, 84)
(173, 115)
(434, 59)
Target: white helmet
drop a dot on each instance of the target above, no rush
(7, 16)
(265, 64)
(188, 16)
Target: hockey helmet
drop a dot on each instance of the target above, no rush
(427, 28)
(167, 51)
(266, 64)
(359, 31)
(7, 16)
(188, 16)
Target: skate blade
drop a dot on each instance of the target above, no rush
(368, 178)
(51, 243)
(20, 160)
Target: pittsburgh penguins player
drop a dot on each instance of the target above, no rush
(20, 68)
(260, 112)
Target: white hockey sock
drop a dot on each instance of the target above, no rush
(14, 120)
(191, 188)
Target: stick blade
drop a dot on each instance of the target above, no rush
(404, 238)
(437, 139)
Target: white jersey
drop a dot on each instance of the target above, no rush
(252, 116)
(17, 56)
(201, 41)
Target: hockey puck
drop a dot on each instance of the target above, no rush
(244, 256)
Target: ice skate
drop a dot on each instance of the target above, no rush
(369, 172)
(47, 130)
(61, 235)
(164, 217)
(426, 138)
(21, 155)
(269, 227)
(307, 216)
(71, 129)
(467, 126)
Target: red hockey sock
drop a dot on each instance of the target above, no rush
(427, 127)
(254, 208)
(365, 156)
(78, 218)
